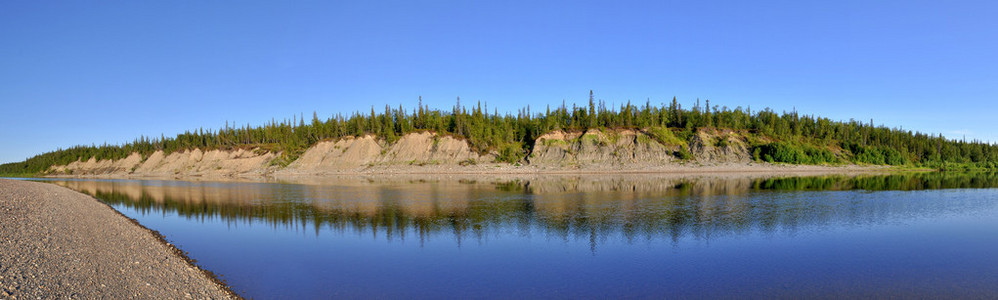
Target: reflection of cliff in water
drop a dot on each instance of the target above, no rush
(568, 207)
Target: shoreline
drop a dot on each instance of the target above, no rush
(496, 170)
(215, 278)
(64, 244)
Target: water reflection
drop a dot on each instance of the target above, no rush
(568, 207)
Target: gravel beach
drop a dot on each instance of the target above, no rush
(57, 243)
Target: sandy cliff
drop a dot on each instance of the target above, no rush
(427, 152)
(719, 147)
(598, 149)
(214, 163)
(633, 150)
(357, 154)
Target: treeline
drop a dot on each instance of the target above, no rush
(790, 137)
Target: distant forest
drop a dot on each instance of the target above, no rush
(790, 137)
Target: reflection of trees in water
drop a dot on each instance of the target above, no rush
(903, 182)
(579, 208)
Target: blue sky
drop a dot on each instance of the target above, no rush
(82, 72)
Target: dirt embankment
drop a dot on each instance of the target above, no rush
(636, 151)
(214, 163)
(367, 153)
(61, 244)
(594, 151)
(594, 148)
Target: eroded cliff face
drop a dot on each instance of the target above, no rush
(350, 153)
(240, 162)
(595, 150)
(356, 154)
(719, 147)
(430, 148)
(630, 149)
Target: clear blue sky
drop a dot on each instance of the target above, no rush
(82, 72)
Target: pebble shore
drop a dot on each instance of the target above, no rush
(58, 243)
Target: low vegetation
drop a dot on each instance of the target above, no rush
(786, 137)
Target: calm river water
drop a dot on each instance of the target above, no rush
(916, 235)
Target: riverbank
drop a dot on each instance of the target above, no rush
(59, 243)
(589, 152)
(506, 170)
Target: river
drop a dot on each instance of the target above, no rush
(634, 236)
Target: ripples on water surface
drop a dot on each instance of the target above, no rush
(919, 235)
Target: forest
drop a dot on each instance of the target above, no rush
(791, 137)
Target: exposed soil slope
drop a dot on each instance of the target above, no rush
(195, 162)
(633, 150)
(428, 152)
(598, 149)
(367, 152)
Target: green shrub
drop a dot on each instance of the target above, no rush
(664, 136)
(683, 153)
(876, 155)
(785, 152)
(510, 153)
(721, 142)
